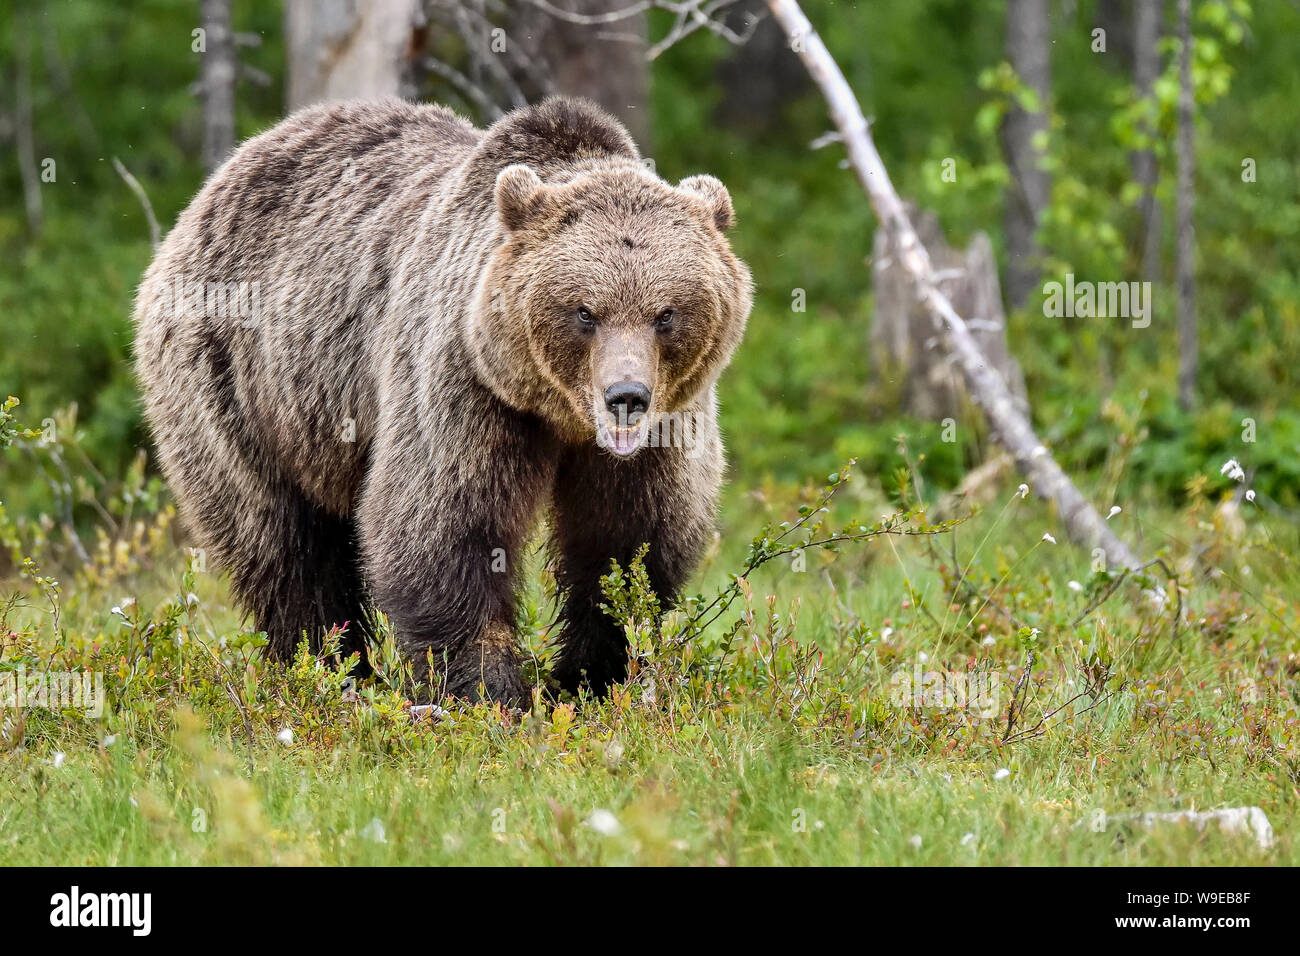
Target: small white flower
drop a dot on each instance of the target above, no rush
(604, 823)
(1114, 510)
(922, 656)
(1023, 491)
(1233, 470)
(1047, 536)
(915, 840)
(1250, 495)
(968, 840)
(988, 641)
(1001, 774)
(110, 740)
(886, 634)
(59, 757)
(374, 831)
(1074, 585)
(285, 736)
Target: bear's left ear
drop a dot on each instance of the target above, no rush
(520, 195)
(715, 196)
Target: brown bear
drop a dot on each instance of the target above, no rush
(380, 343)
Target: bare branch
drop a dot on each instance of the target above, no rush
(472, 90)
(1010, 427)
(134, 185)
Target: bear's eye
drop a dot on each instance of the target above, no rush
(664, 320)
(585, 317)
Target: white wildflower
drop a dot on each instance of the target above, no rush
(1233, 470)
(1023, 491)
(1002, 773)
(1047, 536)
(1114, 510)
(604, 823)
(285, 736)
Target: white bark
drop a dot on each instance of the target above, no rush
(904, 346)
(1010, 428)
(1186, 265)
(1147, 15)
(1029, 48)
(24, 137)
(338, 49)
(217, 78)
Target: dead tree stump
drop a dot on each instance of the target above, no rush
(906, 346)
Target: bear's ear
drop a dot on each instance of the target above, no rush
(715, 197)
(520, 195)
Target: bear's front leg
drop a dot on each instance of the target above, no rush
(605, 509)
(442, 518)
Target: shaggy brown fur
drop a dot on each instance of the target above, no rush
(420, 362)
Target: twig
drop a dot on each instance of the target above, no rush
(1011, 428)
(134, 185)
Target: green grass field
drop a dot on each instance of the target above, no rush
(801, 726)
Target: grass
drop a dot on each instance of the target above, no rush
(777, 734)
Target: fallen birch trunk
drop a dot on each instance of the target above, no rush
(1231, 820)
(1011, 429)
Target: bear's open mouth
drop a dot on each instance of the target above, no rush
(623, 441)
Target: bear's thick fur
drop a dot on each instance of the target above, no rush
(380, 343)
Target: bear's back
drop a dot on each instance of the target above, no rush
(267, 292)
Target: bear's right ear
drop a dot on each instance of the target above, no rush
(521, 194)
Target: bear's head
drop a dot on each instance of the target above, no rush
(614, 300)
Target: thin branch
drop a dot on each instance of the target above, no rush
(1010, 427)
(134, 185)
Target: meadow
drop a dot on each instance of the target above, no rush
(876, 690)
(870, 667)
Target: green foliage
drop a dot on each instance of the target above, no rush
(772, 696)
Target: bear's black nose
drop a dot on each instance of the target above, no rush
(625, 399)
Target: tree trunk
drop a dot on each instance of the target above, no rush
(337, 49)
(1187, 344)
(1029, 44)
(217, 78)
(1147, 16)
(24, 135)
(1010, 428)
(605, 62)
(1112, 17)
(903, 337)
(758, 78)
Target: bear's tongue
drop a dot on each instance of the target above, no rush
(625, 440)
